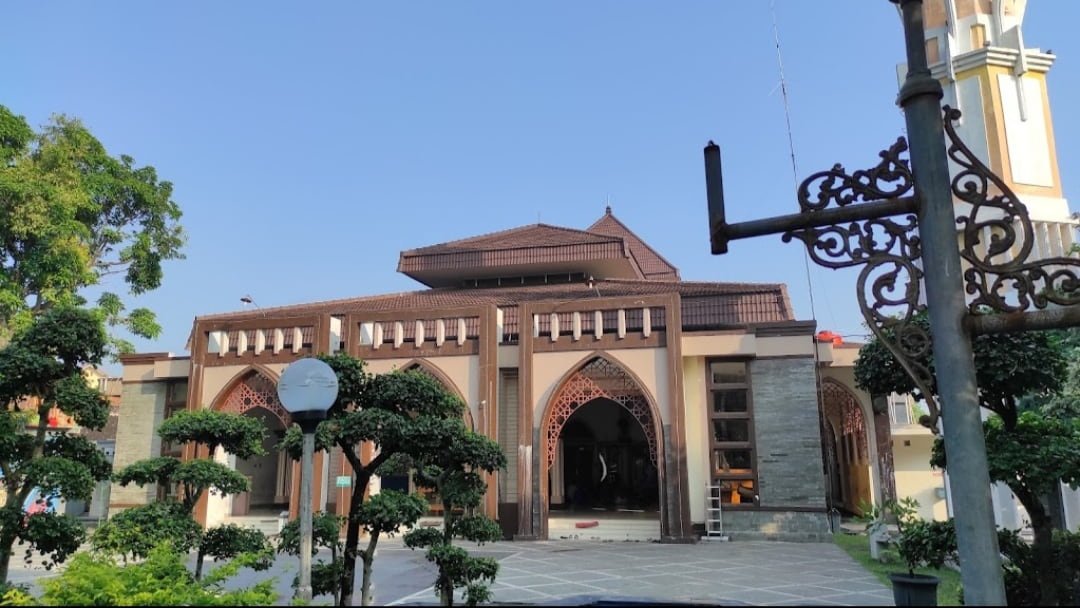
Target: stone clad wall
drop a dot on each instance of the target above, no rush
(790, 471)
(142, 409)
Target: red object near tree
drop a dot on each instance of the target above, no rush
(828, 336)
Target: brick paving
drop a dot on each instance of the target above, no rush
(747, 573)
(735, 573)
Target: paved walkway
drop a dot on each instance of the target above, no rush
(741, 572)
(758, 573)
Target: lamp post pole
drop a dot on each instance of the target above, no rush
(307, 468)
(307, 389)
(920, 97)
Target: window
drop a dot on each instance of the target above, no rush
(899, 411)
(731, 433)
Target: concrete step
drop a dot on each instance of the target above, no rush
(605, 530)
(267, 525)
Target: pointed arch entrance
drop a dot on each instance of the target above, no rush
(253, 393)
(601, 453)
(847, 447)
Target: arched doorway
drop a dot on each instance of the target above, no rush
(601, 456)
(603, 463)
(847, 451)
(254, 394)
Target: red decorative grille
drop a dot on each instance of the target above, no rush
(256, 390)
(600, 378)
(842, 407)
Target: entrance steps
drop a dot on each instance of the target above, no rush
(641, 529)
(267, 523)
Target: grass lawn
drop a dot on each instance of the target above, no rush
(858, 547)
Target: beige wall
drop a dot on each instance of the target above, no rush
(648, 364)
(215, 379)
(915, 478)
(726, 345)
(695, 399)
(142, 408)
(464, 372)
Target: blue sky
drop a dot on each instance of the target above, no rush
(309, 143)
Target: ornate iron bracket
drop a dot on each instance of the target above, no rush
(997, 238)
(887, 249)
(880, 234)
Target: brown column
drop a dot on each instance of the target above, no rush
(883, 439)
(488, 418)
(676, 524)
(294, 492)
(204, 500)
(527, 486)
(321, 344)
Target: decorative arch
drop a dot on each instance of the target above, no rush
(429, 368)
(851, 474)
(254, 386)
(843, 409)
(600, 376)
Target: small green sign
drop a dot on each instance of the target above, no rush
(344, 481)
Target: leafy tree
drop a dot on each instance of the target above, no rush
(230, 541)
(385, 513)
(1030, 451)
(451, 464)
(40, 370)
(325, 532)
(72, 215)
(134, 533)
(396, 412)
(1033, 458)
(160, 580)
(138, 530)
(1008, 367)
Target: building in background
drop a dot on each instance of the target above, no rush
(620, 393)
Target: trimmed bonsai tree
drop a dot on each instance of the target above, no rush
(326, 533)
(40, 369)
(138, 530)
(451, 465)
(393, 413)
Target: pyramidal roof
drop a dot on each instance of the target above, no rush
(606, 250)
(652, 264)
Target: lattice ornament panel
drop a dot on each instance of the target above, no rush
(254, 391)
(842, 407)
(600, 379)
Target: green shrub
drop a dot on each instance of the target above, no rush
(161, 580)
(1022, 581)
(133, 533)
(15, 595)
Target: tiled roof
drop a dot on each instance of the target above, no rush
(703, 303)
(533, 249)
(652, 264)
(533, 235)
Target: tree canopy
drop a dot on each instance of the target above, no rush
(40, 369)
(72, 215)
(1008, 367)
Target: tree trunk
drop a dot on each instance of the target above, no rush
(446, 591)
(352, 539)
(368, 556)
(1043, 547)
(1044, 558)
(6, 542)
(199, 565)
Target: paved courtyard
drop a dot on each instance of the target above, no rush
(741, 572)
(758, 573)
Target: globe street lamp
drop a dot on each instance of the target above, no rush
(307, 389)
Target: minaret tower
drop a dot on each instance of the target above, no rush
(976, 49)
